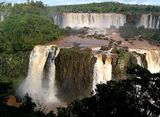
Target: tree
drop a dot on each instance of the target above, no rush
(22, 32)
(135, 97)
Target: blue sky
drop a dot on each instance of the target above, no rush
(66, 2)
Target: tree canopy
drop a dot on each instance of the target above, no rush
(138, 96)
(24, 26)
(106, 7)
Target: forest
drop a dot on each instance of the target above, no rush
(107, 7)
(25, 25)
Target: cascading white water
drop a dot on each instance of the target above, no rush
(1, 17)
(139, 60)
(91, 20)
(153, 61)
(152, 57)
(32, 85)
(150, 21)
(102, 71)
(52, 88)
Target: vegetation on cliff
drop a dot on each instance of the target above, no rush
(120, 62)
(24, 26)
(74, 78)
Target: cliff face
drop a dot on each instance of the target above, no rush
(74, 73)
(123, 59)
(76, 70)
(134, 19)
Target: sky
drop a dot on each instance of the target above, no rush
(67, 2)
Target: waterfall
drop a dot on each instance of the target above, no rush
(1, 16)
(153, 61)
(52, 88)
(139, 60)
(152, 57)
(91, 20)
(102, 70)
(41, 57)
(150, 21)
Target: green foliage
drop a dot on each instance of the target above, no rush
(30, 8)
(156, 37)
(25, 26)
(22, 32)
(13, 67)
(5, 7)
(136, 97)
(106, 7)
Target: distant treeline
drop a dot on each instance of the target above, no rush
(107, 7)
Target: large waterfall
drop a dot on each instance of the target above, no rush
(91, 20)
(37, 85)
(150, 21)
(102, 70)
(102, 20)
(152, 58)
(40, 83)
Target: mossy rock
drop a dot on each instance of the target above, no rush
(143, 58)
(74, 73)
(121, 60)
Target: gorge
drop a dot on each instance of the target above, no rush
(57, 75)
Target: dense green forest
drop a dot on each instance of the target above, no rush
(105, 7)
(25, 25)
